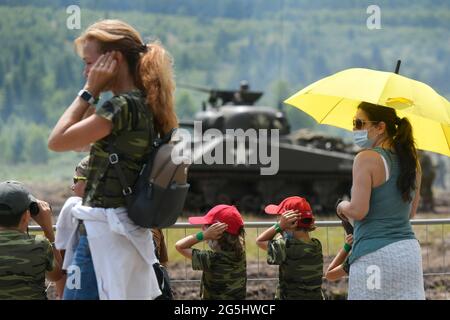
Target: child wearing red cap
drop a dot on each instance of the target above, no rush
(224, 268)
(298, 255)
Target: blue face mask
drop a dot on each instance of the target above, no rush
(361, 139)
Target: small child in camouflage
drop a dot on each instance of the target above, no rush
(224, 268)
(64, 233)
(299, 257)
(25, 260)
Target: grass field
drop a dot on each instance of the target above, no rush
(331, 238)
(60, 167)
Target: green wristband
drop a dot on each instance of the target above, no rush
(199, 236)
(347, 247)
(277, 228)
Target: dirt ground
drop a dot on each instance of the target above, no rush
(262, 280)
(436, 287)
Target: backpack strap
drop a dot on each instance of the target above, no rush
(164, 139)
(114, 157)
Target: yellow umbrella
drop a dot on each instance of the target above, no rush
(334, 100)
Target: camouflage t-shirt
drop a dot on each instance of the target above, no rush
(131, 133)
(23, 262)
(224, 274)
(301, 268)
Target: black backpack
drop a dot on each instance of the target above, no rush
(157, 198)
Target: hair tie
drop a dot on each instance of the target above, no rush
(144, 48)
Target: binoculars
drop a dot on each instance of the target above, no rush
(34, 209)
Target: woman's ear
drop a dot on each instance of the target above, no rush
(381, 126)
(118, 56)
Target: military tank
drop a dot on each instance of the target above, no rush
(311, 165)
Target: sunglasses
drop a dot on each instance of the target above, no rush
(359, 123)
(76, 179)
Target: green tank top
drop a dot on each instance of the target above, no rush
(388, 218)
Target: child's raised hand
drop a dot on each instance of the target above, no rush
(349, 239)
(288, 219)
(214, 232)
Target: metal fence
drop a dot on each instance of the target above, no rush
(433, 234)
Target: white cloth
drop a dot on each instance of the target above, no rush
(66, 231)
(393, 272)
(123, 254)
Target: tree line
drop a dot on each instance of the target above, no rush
(278, 46)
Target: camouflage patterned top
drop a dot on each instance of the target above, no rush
(224, 274)
(132, 123)
(23, 262)
(301, 268)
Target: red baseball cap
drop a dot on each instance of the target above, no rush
(299, 204)
(222, 213)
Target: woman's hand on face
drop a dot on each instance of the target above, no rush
(101, 73)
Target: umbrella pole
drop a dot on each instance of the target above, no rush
(397, 68)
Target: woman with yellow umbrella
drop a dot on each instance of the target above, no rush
(386, 260)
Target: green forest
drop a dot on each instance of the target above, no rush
(278, 46)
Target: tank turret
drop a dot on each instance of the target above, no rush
(315, 166)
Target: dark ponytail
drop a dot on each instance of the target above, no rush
(407, 155)
(400, 132)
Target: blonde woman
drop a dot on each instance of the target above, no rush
(141, 79)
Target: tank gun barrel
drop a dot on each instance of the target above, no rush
(219, 97)
(197, 88)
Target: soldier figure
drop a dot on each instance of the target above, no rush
(239, 97)
(428, 176)
(441, 172)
